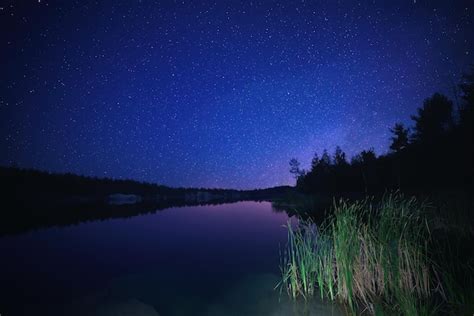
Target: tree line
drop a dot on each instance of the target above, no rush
(33, 199)
(35, 186)
(435, 153)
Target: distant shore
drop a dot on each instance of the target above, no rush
(35, 199)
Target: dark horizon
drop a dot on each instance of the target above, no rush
(218, 95)
(100, 178)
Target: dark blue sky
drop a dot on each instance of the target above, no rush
(217, 94)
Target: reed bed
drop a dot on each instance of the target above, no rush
(373, 257)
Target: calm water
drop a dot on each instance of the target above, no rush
(204, 260)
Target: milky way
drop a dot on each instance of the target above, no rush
(217, 94)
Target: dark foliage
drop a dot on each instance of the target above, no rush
(437, 155)
(400, 138)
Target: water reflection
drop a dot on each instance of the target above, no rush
(199, 260)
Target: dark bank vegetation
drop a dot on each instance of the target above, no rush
(405, 253)
(34, 199)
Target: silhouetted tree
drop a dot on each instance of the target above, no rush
(466, 112)
(325, 160)
(368, 156)
(400, 141)
(433, 119)
(314, 162)
(339, 157)
(365, 161)
(465, 135)
(399, 138)
(295, 168)
(467, 87)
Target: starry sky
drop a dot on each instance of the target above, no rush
(217, 94)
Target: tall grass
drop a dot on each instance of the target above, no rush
(370, 256)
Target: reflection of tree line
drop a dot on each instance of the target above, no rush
(23, 218)
(34, 199)
(435, 154)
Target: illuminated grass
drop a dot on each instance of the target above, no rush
(369, 257)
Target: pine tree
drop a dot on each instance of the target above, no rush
(399, 138)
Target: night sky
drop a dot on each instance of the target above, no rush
(217, 94)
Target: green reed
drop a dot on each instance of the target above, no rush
(365, 255)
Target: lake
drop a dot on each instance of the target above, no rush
(196, 260)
